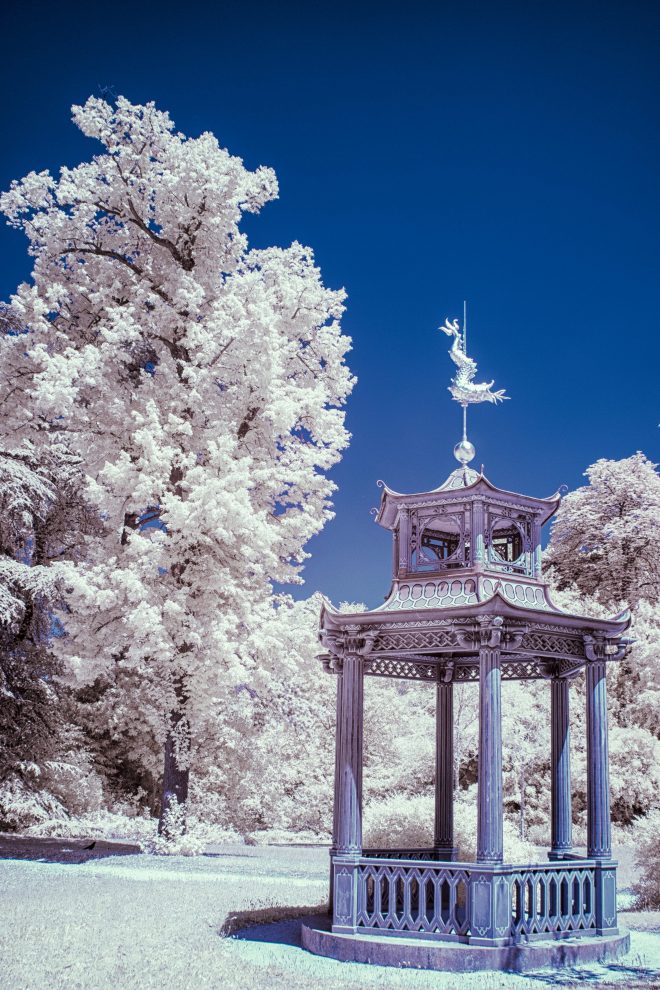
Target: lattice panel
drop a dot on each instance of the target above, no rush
(414, 670)
(568, 667)
(542, 642)
(430, 639)
(512, 670)
(522, 670)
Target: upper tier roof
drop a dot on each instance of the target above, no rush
(463, 479)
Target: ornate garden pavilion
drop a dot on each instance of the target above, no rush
(468, 603)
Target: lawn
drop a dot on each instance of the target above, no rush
(143, 922)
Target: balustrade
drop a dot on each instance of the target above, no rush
(409, 892)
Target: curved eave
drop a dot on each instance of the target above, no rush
(390, 500)
(496, 604)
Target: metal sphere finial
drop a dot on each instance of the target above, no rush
(464, 451)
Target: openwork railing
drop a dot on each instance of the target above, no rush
(422, 899)
(550, 900)
(385, 892)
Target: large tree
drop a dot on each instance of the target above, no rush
(605, 538)
(201, 381)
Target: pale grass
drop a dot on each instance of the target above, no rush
(141, 922)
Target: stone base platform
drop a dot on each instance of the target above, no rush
(458, 957)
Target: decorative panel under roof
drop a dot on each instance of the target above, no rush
(465, 589)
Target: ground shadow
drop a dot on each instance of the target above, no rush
(278, 926)
(585, 976)
(70, 851)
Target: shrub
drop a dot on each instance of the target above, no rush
(646, 838)
(21, 806)
(407, 823)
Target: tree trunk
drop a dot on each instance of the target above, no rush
(176, 768)
(175, 785)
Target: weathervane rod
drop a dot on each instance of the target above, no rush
(463, 387)
(464, 404)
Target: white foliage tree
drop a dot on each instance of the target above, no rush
(605, 537)
(202, 381)
(272, 766)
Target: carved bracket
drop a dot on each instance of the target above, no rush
(598, 647)
(351, 639)
(490, 630)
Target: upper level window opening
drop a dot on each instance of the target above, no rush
(508, 546)
(442, 545)
(507, 542)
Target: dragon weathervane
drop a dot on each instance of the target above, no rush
(463, 389)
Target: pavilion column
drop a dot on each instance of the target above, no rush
(599, 838)
(599, 832)
(335, 805)
(347, 837)
(561, 812)
(490, 815)
(348, 765)
(444, 770)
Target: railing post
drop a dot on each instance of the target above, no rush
(490, 905)
(444, 769)
(561, 811)
(490, 815)
(605, 899)
(345, 896)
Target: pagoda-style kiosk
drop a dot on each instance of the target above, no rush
(468, 603)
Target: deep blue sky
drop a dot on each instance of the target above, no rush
(503, 152)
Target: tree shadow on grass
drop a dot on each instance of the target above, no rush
(637, 976)
(67, 851)
(276, 925)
